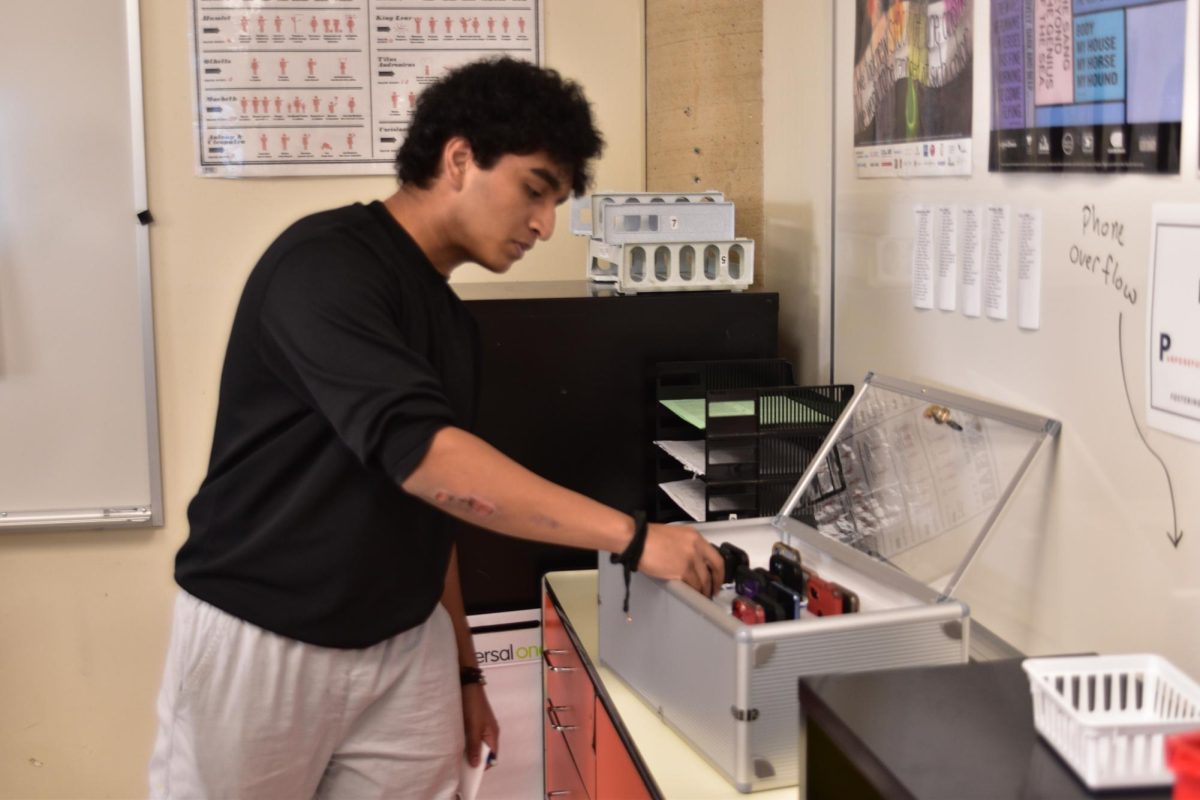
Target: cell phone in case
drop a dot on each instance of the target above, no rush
(825, 598)
(749, 611)
(785, 550)
(789, 571)
(734, 557)
(791, 601)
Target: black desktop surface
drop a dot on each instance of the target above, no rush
(954, 733)
(566, 391)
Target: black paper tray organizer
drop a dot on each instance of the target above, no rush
(733, 437)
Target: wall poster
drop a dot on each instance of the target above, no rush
(324, 87)
(1173, 324)
(913, 65)
(1087, 85)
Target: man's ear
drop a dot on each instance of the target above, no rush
(457, 157)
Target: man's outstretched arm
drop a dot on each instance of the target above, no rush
(469, 479)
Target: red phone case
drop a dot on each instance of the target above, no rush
(825, 598)
(749, 611)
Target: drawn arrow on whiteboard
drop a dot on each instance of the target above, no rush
(1177, 536)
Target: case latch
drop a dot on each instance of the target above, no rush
(744, 714)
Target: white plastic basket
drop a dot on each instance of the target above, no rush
(1107, 716)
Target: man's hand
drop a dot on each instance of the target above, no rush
(677, 552)
(479, 723)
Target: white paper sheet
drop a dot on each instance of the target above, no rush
(472, 777)
(688, 495)
(295, 87)
(1173, 327)
(995, 261)
(972, 285)
(946, 257)
(1029, 268)
(922, 258)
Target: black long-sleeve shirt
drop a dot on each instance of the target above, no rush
(348, 352)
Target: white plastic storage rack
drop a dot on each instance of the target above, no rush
(645, 242)
(919, 498)
(587, 213)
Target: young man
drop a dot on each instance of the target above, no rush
(319, 645)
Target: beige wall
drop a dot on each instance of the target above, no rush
(798, 176)
(704, 104)
(84, 616)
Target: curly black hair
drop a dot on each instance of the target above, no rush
(501, 106)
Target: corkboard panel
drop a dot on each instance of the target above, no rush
(704, 104)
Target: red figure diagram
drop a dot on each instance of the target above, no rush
(312, 65)
(254, 66)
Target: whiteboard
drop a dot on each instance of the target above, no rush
(1086, 559)
(78, 409)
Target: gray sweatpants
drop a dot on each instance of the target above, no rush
(246, 713)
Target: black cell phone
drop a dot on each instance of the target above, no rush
(788, 571)
(785, 550)
(791, 600)
(734, 557)
(748, 582)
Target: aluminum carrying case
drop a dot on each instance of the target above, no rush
(894, 506)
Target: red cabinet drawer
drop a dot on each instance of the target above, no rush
(617, 777)
(570, 705)
(562, 778)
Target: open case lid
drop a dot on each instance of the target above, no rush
(916, 477)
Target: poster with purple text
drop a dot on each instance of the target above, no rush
(1087, 85)
(913, 66)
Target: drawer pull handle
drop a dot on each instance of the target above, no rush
(550, 666)
(558, 793)
(552, 714)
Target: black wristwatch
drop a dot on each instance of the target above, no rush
(469, 675)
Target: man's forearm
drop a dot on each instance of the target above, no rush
(453, 603)
(469, 479)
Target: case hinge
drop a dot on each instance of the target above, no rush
(744, 714)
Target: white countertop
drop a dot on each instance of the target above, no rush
(678, 770)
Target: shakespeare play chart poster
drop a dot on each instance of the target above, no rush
(320, 87)
(912, 87)
(1087, 85)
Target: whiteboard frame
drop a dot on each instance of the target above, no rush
(124, 516)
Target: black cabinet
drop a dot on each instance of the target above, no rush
(567, 391)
